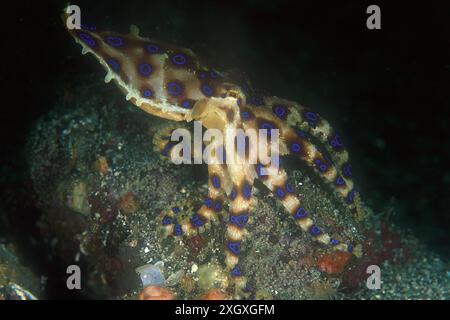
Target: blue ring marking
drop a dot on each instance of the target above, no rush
(245, 115)
(187, 104)
(197, 220)
(350, 196)
(339, 181)
(334, 242)
(300, 213)
(350, 248)
(336, 142)
(152, 48)
(114, 41)
(247, 190)
(203, 75)
(174, 88)
(177, 230)
(208, 202)
(347, 170)
(166, 220)
(280, 111)
(114, 64)
(87, 38)
(312, 116)
(236, 271)
(179, 59)
(206, 90)
(321, 165)
(147, 93)
(176, 210)
(217, 206)
(315, 230)
(233, 193)
(280, 193)
(289, 187)
(239, 220)
(166, 148)
(296, 147)
(234, 247)
(145, 69)
(215, 181)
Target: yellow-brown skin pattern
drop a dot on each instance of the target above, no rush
(170, 82)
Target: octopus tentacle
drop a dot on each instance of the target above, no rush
(310, 121)
(278, 183)
(171, 82)
(198, 221)
(295, 142)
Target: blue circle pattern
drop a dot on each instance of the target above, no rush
(147, 93)
(86, 38)
(174, 88)
(280, 111)
(239, 220)
(235, 247)
(145, 69)
(236, 271)
(300, 213)
(179, 59)
(114, 41)
(247, 190)
(207, 90)
(315, 230)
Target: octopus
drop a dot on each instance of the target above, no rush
(171, 82)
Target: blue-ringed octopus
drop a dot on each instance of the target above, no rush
(170, 82)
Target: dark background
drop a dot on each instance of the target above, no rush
(386, 91)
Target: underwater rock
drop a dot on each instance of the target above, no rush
(17, 282)
(107, 146)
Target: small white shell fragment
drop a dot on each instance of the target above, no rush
(151, 275)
